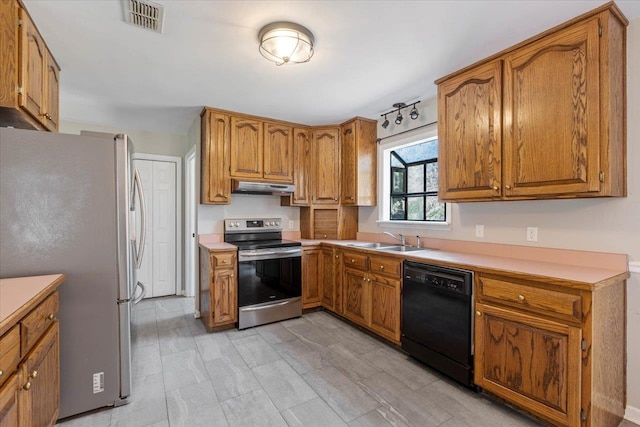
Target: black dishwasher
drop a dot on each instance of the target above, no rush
(437, 305)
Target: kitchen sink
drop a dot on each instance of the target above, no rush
(367, 245)
(401, 249)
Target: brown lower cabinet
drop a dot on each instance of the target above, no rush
(218, 289)
(311, 280)
(558, 352)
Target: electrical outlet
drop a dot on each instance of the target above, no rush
(290, 224)
(479, 230)
(532, 234)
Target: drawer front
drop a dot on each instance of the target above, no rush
(387, 266)
(355, 260)
(225, 260)
(544, 301)
(35, 323)
(9, 352)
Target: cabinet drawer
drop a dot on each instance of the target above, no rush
(386, 266)
(36, 322)
(355, 260)
(544, 301)
(9, 352)
(222, 260)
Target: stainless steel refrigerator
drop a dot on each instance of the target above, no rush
(67, 205)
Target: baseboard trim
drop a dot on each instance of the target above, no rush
(632, 414)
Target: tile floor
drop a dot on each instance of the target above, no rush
(311, 371)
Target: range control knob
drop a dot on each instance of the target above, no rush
(277, 223)
(237, 224)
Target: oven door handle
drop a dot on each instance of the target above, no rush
(248, 254)
(275, 304)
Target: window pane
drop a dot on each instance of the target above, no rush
(432, 177)
(435, 210)
(398, 180)
(416, 153)
(415, 182)
(415, 209)
(395, 163)
(397, 208)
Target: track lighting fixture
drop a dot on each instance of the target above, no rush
(385, 124)
(399, 106)
(399, 118)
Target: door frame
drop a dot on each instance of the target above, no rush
(179, 201)
(191, 214)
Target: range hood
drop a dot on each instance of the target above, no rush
(250, 187)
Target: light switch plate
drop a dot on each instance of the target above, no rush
(290, 224)
(532, 234)
(479, 230)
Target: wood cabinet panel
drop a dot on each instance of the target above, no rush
(358, 260)
(385, 306)
(218, 289)
(532, 361)
(551, 106)
(469, 131)
(301, 167)
(35, 323)
(41, 374)
(311, 271)
(10, 352)
(358, 183)
(325, 225)
(328, 284)
(32, 79)
(246, 148)
(8, 52)
(215, 187)
(225, 300)
(52, 110)
(326, 169)
(278, 153)
(385, 266)
(10, 402)
(357, 296)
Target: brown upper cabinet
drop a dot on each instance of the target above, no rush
(544, 119)
(30, 77)
(261, 150)
(326, 165)
(301, 168)
(216, 146)
(358, 160)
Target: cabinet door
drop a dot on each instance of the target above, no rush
(337, 281)
(357, 296)
(469, 133)
(385, 306)
(325, 223)
(10, 402)
(225, 301)
(326, 158)
(246, 148)
(311, 286)
(328, 284)
(301, 167)
(33, 56)
(529, 361)
(552, 114)
(278, 153)
(41, 377)
(51, 109)
(349, 176)
(216, 140)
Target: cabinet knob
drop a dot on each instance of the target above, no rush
(27, 386)
(521, 297)
(325, 236)
(50, 316)
(508, 187)
(495, 188)
(382, 267)
(478, 313)
(1, 372)
(224, 261)
(337, 256)
(353, 260)
(368, 280)
(33, 374)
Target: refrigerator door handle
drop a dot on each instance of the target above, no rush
(139, 250)
(136, 300)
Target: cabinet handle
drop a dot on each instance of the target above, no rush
(50, 316)
(508, 187)
(521, 297)
(495, 188)
(478, 313)
(27, 386)
(33, 374)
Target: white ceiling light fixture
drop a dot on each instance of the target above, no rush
(286, 43)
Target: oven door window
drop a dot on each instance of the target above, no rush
(269, 280)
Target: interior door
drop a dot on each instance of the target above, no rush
(158, 269)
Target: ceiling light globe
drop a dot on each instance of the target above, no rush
(286, 43)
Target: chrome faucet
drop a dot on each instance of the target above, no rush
(399, 237)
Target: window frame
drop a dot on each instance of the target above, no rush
(384, 181)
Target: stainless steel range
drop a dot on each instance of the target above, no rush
(269, 271)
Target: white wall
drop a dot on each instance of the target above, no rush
(603, 225)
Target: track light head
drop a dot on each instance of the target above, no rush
(399, 118)
(414, 113)
(385, 124)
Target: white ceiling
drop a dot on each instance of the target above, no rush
(368, 55)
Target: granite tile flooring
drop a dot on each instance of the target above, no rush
(311, 371)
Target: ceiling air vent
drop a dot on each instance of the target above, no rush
(145, 14)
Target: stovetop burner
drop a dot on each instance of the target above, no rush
(256, 233)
